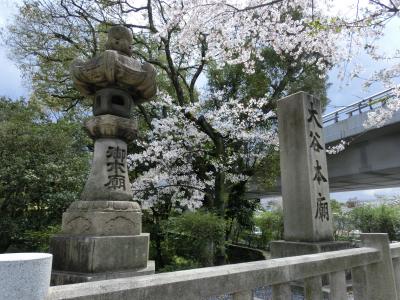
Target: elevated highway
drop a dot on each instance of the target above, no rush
(371, 160)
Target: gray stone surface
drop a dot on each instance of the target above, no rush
(305, 188)
(313, 288)
(102, 218)
(110, 126)
(24, 276)
(95, 254)
(115, 68)
(112, 101)
(396, 270)
(243, 295)
(338, 286)
(102, 223)
(108, 179)
(370, 161)
(104, 206)
(64, 277)
(282, 291)
(353, 126)
(206, 282)
(280, 249)
(380, 277)
(304, 174)
(102, 232)
(287, 248)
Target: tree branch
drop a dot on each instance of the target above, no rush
(172, 71)
(255, 6)
(145, 115)
(199, 69)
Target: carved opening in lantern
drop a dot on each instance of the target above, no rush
(112, 101)
(117, 100)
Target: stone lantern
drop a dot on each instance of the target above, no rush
(101, 234)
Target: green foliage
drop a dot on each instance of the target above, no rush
(342, 225)
(382, 218)
(45, 37)
(180, 263)
(335, 206)
(267, 170)
(37, 240)
(195, 236)
(43, 168)
(44, 56)
(271, 225)
(239, 210)
(274, 77)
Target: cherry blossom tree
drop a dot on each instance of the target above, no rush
(193, 152)
(365, 26)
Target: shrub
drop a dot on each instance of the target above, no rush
(38, 240)
(180, 263)
(43, 168)
(195, 236)
(382, 218)
(271, 225)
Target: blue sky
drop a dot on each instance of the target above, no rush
(11, 81)
(349, 91)
(13, 85)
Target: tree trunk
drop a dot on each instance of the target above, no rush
(157, 239)
(228, 231)
(220, 200)
(220, 194)
(5, 242)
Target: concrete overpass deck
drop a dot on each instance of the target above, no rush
(372, 158)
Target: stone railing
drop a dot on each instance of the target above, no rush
(374, 276)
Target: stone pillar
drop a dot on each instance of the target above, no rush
(304, 179)
(101, 234)
(304, 174)
(380, 277)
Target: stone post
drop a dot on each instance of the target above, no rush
(379, 278)
(304, 179)
(304, 173)
(101, 235)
